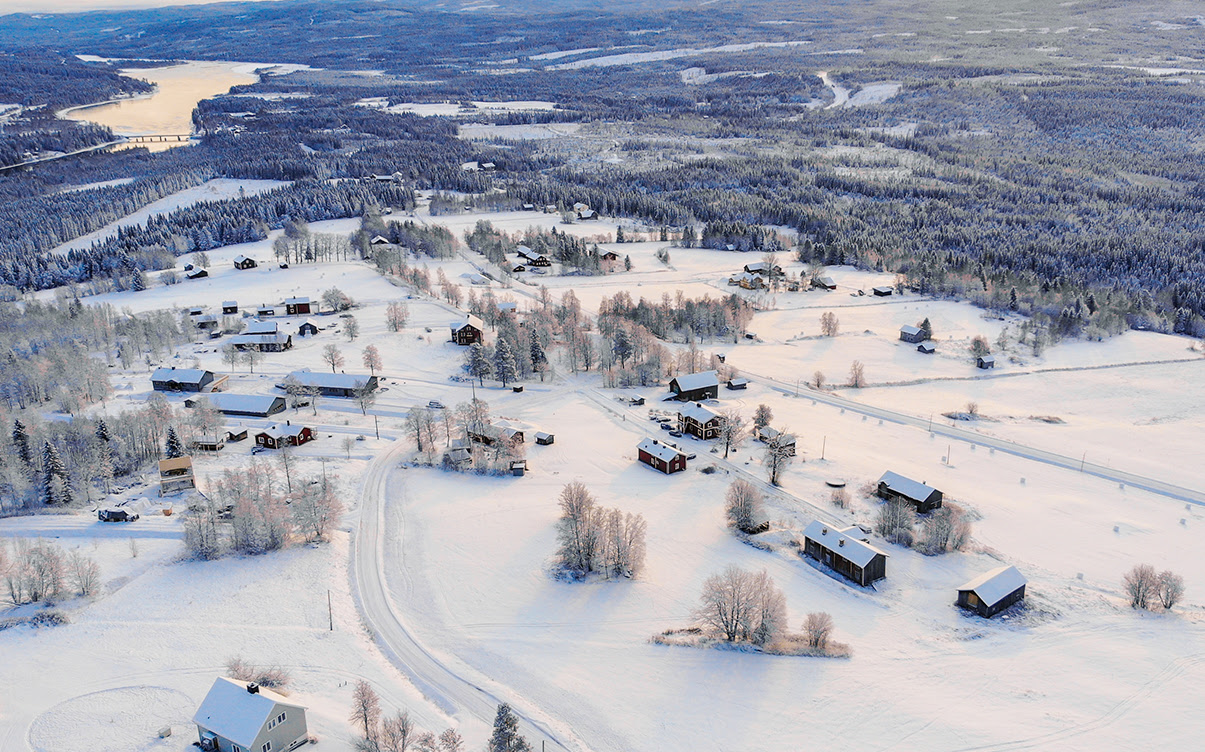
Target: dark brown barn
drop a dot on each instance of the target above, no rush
(895, 486)
(845, 551)
(992, 592)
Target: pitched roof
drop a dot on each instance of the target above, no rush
(690, 381)
(906, 486)
(233, 713)
(988, 358)
(658, 450)
(240, 259)
(529, 254)
(768, 434)
(277, 431)
(260, 339)
(471, 320)
(698, 412)
(295, 301)
(329, 380)
(243, 403)
(255, 326)
(180, 375)
(992, 587)
(910, 329)
(230, 304)
(847, 541)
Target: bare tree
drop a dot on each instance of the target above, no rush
(732, 431)
(1141, 585)
(857, 374)
(818, 379)
(762, 417)
(1171, 589)
(818, 627)
(397, 733)
(779, 452)
(742, 605)
(979, 346)
(622, 543)
(743, 505)
(945, 529)
(372, 359)
(397, 314)
(365, 396)
(578, 529)
(332, 357)
(830, 325)
(285, 456)
(351, 328)
(451, 741)
(85, 574)
(421, 422)
(347, 443)
(315, 508)
(251, 356)
(366, 710)
(840, 498)
(231, 355)
(895, 521)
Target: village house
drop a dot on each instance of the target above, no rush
(609, 256)
(379, 240)
(660, 456)
(307, 329)
(695, 387)
(299, 306)
(238, 716)
(236, 434)
(738, 383)
(229, 307)
(175, 475)
(985, 361)
(249, 405)
(333, 384)
(275, 342)
(766, 434)
(824, 283)
(276, 436)
(699, 421)
(186, 380)
(846, 551)
(764, 269)
(587, 215)
(992, 592)
(243, 262)
(913, 334)
(544, 439)
(531, 258)
(747, 281)
(468, 332)
(206, 321)
(893, 486)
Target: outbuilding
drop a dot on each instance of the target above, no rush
(196, 274)
(738, 383)
(249, 405)
(992, 592)
(307, 329)
(884, 291)
(661, 456)
(238, 716)
(258, 326)
(186, 380)
(893, 487)
(985, 361)
(229, 307)
(695, 387)
(846, 551)
(243, 262)
(298, 306)
(913, 334)
(175, 475)
(824, 283)
(544, 439)
(928, 348)
(275, 342)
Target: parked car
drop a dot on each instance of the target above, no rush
(116, 515)
(675, 433)
(666, 427)
(691, 456)
(655, 418)
(435, 405)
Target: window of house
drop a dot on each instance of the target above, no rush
(267, 747)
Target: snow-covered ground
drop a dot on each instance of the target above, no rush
(465, 558)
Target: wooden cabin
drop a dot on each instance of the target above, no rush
(893, 486)
(244, 262)
(992, 592)
(985, 361)
(913, 334)
(846, 551)
(468, 332)
(695, 387)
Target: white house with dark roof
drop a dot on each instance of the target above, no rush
(239, 716)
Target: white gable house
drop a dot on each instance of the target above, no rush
(244, 717)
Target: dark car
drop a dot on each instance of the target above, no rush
(675, 433)
(116, 515)
(666, 427)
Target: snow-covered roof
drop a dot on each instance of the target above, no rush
(261, 327)
(240, 259)
(230, 304)
(884, 288)
(260, 339)
(698, 412)
(826, 281)
(927, 346)
(329, 380)
(295, 301)
(233, 713)
(738, 381)
(906, 486)
(378, 240)
(910, 329)
(242, 403)
(994, 586)
(847, 541)
(543, 436)
(471, 320)
(180, 375)
(529, 254)
(507, 305)
(277, 431)
(767, 434)
(689, 381)
(658, 450)
(988, 358)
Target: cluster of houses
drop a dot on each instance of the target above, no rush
(584, 213)
(760, 275)
(260, 333)
(459, 453)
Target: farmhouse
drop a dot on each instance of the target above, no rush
(467, 332)
(985, 361)
(256, 326)
(928, 348)
(824, 283)
(276, 342)
(992, 592)
(265, 311)
(913, 334)
(333, 384)
(695, 387)
(250, 405)
(298, 306)
(587, 214)
(845, 551)
(175, 475)
(276, 436)
(665, 458)
(186, 380)
(884, 291)
(763, 268)
(531, 258)
(307, 329)
(239, 716)
(893, 486)
(229, 307)
(242, 262)
(699, 421)
(747, 281)
(609, 256)
(765, 435)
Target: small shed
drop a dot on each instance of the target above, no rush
(236, 434)
(518, 468)
(738, 383)
(307, 329)
(928, 348)
(544, 439)
(265, 311)
(299, 306)
(893, 486)
(196, 274)
(824, 283)
(992, 592)
(229, 307)
(985, 361)
(884, 291)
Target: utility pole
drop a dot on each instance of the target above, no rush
(1082, 460)
(949, 450)
(330, 614)
(376, 425)
(823, 444)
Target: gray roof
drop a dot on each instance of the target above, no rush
(295, 301)
(847, 541)
(229, 303)
(233, 713)
(256, 326)
(181, 375)
(906, 486)
(988, 358)
(691, 381)
(242, 403)
(329, 380)
(994, 586)
(658, 450)
(910, 329)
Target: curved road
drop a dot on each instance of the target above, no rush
(455, 693)
(1020, 450)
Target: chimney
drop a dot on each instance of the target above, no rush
(252, 688)
(288, 422)
(840, 542)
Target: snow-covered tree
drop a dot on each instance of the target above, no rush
(830, 325)
(732, 431)
(762, 417)
(741, 605)
(173, 447)
(506, 737)
(743, 505)
(817, 629)
(351, 328)
(895, 521)
(333, 357)
(397, 733)
(578, 530)
(778, 454)
(621, 346)
(397, 313)
(857, 374)
(56, 491)
(451, 741)
(1141, 585)
(505, 367)
(372, 359)
(366, 710)
(539, 361)
(479, 364)
(21, 442)
(1171, 589)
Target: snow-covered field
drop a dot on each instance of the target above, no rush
(465, 558)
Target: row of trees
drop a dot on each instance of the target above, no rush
(595, 539)
(34, 571)
(397, 732)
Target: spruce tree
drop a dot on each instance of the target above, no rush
(174, 447)
(1012, 299)
(21, 440)
(506, 736)
(102, 431)
(926, 327)
(55, 489)
(505, 366)
(627, 263)
(538, 358)
(479, 365)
